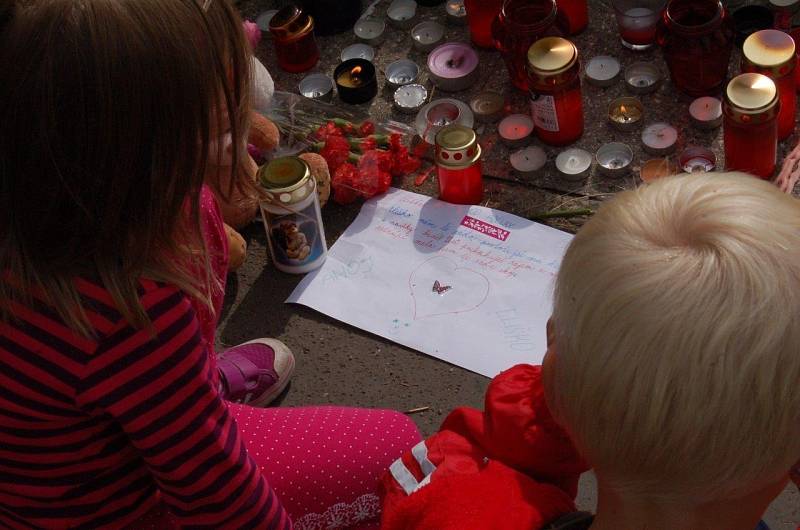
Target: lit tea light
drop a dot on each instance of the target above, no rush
(262, 21)
(370, 30)
(456, 12)
(658, 168)
(358, 51)
(643, 78)
(697, 160)
(453, 66)
(706, 113)
(402, 13)
(488, 106)
(626, 113)
(574, 164)
(515, 130)
(659, 139)
(402, 72)
(410, 98)
(427, 35)
(602, 70)
(614, 159)
(355, 81)
(528, 162)
(317, 86)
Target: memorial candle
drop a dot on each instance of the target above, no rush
(355, 81)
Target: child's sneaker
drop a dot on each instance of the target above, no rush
(256, 372)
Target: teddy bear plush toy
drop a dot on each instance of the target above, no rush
(239, 204)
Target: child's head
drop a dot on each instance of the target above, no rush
(676, 358)
(106, 114)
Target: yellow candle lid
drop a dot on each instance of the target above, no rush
(552, 55)
(284, 174)
(768, 48)
(457, 146)
(752, 93)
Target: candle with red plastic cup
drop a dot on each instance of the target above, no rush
(480, 16)
(772, 53)
(458, 164)
(293, 35)
(556, 101)
(520, 24)
(750, 124)
(697, 38)
(576, 13)
(637, 21)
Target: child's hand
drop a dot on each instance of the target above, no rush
(790, 171)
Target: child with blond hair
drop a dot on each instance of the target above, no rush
(672, 367)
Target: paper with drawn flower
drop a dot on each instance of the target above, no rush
(467, 284)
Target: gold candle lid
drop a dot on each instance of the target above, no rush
(457, 147)
(783, 3)
(769, 48)
(551, 56)
(752, 93)
(290, 23)
(284, 174)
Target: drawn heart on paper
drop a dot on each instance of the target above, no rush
(468, 288)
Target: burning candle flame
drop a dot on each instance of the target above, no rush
(356, 70)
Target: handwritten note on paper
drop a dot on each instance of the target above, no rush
(467, 284)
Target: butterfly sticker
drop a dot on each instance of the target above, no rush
(438, 288)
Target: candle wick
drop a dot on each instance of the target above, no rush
(455, 62)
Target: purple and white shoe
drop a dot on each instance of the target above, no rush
(256, 372)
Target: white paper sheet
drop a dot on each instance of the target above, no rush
(467, 284)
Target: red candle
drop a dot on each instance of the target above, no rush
(750, 125)
(772, 53)
(795, 33)
(697, 37)
(480, 16)
(556, 101)
(458, 163)
(293, 36)
(576, 13)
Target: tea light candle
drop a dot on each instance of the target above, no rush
(355, 81)
(358, 51)
(317, 86)
(402, 13)
(456, 12)
(625, 114)
(602, 70)
(262, 20)
(614, 159)
(706, 113)
(453, 66)
(515, 130)
(370, 30)
(402, 72)
(659, 139)
(658, 168)
(488, 106)
(643, 78)
(439, 113)
(528, 162)
(410, 98)
(697, 160)
(427, 35)
(574, 164)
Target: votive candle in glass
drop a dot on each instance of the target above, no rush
(772, 53)
(480, 16)
(293, 35)
(458, 165)
(696, 37)
(637, 21)
(556, 100)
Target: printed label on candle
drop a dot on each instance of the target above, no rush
(543, 109)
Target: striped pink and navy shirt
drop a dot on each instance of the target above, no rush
(96, 432)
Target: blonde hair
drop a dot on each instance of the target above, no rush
(106, 118)
(677, 342)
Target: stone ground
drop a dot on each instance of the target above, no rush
(338, 364)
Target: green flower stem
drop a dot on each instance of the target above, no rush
(562, 214)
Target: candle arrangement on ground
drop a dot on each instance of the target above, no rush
(355, 81)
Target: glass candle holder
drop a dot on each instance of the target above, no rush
(637, 21)
(772, 53)
(555, 87)
(520, 24)
(293, 35)
(783, 11)
(458, 165)
(480, 16)
(575, 13)
(696, 37)
(750, 124)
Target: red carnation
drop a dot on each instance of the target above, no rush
(336, 151)
(343, 184)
